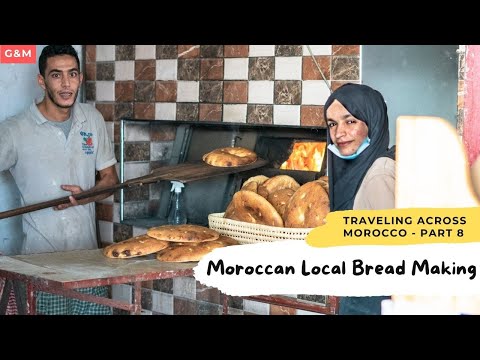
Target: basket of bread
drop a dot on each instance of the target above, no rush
(272, 209)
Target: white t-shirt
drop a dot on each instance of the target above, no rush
(41, 159)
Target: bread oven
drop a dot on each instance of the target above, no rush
(147, 145)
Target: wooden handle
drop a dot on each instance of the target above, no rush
(59, 201)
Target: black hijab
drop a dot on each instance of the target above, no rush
(345, 176)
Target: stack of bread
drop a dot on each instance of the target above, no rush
(172, 243)
(281, 201)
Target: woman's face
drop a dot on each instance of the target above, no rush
(346, 131)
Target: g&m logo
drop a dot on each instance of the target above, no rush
(18, 54)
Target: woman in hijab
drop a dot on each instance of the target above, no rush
(361, 168)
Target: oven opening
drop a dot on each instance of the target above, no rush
(305, 156)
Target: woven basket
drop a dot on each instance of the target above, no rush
(247, 233)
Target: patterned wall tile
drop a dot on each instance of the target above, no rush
(188, 51)
(124, 91)
(166, 91)
(163, 285)
(287, 92)
(345, 49)
(91, 71)
(345, 68)
(144, 111)
(137, 151)
(145, 69)
(211, 51)
(211, 91)
(90, 54)
(310, 70)
(188, 69)
(211, 69)
(312, 116)
(261, 68)
(210, 112)
(104, 211)
(161, 151)
(105, 71)
(235, 92)
(235, 51)
(123, 110)
(184, 306)
(288, 50)
(125, 52)
(187, 112)
(121, 232)
(281, 310)
(145, 91)
(260, 114)
(207, 293)
(107, 111)
(166, 52)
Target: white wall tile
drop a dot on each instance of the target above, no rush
(261, 50)
(235, 113)
(260, 92)
(136, 132)
(187, 91)
(105, 52)
(236, 69)
(116, 212)
(136, 231)
(318, 50)
(109, 126)
(124, 70)
(145, 52)
(288, 68)
(286, 115)
(256, 307)
(122, 292)
(166, 69)
(108, 200)
(185, 287)
(106, 231)
(105, 90)
(162, 303)
(165, 111)
(133, 170)
(305, 312)
(314, 92)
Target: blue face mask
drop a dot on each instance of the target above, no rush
(360, 149)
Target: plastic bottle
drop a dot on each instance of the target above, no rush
(178, 214)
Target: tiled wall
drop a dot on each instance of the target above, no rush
(262, 84)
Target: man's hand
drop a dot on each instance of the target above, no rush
(74, 189)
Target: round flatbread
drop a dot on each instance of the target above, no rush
(254, 182)
(230, 157)
(186, 252)
(183, 233)
(276, 183)
(250, 207)
(280, 198)
(133, 247)
(308, 207)
(323, 180)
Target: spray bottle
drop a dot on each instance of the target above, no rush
(178, 213)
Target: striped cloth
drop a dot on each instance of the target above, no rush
(12, 303)
(51, 304)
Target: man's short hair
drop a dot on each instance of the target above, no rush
(55, 50)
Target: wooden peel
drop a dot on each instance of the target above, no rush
(182, 172)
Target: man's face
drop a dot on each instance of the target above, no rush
(62, 80)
